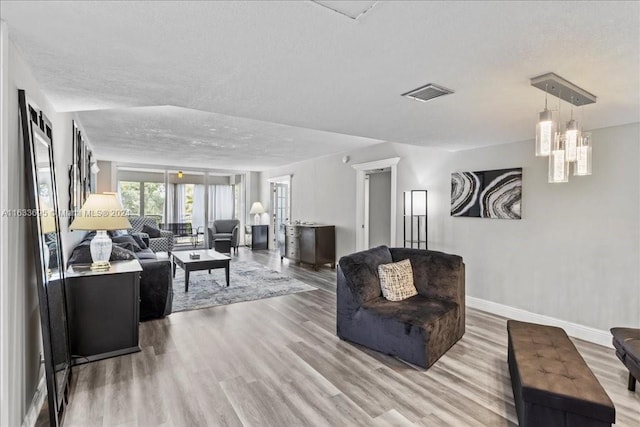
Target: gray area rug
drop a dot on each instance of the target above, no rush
(248, 281)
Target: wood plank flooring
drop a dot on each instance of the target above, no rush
(278, 362)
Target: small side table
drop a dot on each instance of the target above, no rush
(103, 310)
(259, 237)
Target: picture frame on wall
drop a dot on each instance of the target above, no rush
(79, 172)
(495, 194)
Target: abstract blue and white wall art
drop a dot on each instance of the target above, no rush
(487, 194)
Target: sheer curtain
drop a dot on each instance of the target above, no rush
(179, 206)
(170, 203)
(220, 202)
(197, 214)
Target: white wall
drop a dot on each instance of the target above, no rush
(574, 256)
(20, 334)
(106, 179)
(21, 338)
(323, 190)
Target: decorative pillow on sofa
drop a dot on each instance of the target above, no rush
(139, 241)
(121, 254)
(396, 280)
(127, 242)
(82, 255)
(117, 233)
(152, 232)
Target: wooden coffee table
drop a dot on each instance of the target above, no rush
(209, 259)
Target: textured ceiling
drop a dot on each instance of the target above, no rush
(305, 66)
(186, 137)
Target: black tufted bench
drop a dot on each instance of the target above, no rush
(552, 384)
(627, 344)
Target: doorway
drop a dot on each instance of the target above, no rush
(377, 213)
(280, 190)
(363, 202)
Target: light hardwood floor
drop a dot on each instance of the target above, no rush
(278, 362)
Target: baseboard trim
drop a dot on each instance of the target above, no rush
(33, 412)
(575, 330)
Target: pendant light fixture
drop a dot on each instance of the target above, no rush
(545, 130)
(572, 146)
(583, 156)
(571, 135)
(558, 164)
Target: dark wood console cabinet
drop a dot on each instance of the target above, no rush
(103, 310)
(311, 244)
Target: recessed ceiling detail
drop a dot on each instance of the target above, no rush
(182, 137)
(427, 92)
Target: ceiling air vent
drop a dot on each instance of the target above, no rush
(427, 92)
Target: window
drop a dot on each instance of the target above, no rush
(143, 198)
(153, 196)
(130, 196)
(172, 200)
(187, 214)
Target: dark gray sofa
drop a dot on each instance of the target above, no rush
(156, 285)
(156, 279)
(419, 329)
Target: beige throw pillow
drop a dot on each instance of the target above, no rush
(396, 280)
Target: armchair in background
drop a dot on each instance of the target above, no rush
(162, 243)
(225, 229)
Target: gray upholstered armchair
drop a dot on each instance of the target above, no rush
(164, 243)
(225, 229)
(418, 329)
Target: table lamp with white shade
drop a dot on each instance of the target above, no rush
(256, 209)
(101, 212)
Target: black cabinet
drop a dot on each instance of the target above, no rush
(259, 237)
(103, 310)
(311, 244)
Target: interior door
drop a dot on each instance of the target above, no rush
(379, 216)
(280, 214)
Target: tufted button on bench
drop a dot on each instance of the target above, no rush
(552, 384)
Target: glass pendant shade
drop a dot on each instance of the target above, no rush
(572, 136)
(545, 131)
(558, 164)
(582, 166)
